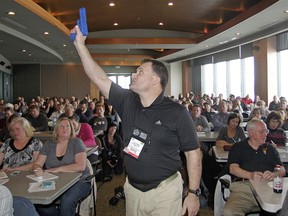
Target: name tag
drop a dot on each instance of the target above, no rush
(134, 147)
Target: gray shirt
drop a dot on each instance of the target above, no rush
(202, 121)
(74, 147)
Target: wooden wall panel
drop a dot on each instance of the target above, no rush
(53, 80)
(26, 81)
(78, 84)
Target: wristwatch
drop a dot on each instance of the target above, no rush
(196, 192)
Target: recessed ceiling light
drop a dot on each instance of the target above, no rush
(11, 13)
(115, 24)
(64, 45)
(161, 24)
(23, 50)
(170, 4)
(234, 38)
(46, 33)
(238, 33)
(286, 11)
(111, 4)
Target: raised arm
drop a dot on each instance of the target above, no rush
(96, 74)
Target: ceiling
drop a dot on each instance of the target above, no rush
(190, 28)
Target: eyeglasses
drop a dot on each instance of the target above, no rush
(262, 132)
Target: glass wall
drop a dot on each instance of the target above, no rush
(229, 77)
(283, 73)
(122, 80)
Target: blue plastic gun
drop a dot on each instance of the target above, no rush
(82, 23)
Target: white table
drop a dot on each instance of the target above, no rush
(219, 154)
(222, 156)
(18, 185)
(207, 136)
(267, 199)
(44, 135)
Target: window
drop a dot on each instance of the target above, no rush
(282, 72)
(229, 77)
(122, 80)
(207, 79)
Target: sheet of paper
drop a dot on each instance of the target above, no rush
(201, 134)
(37, 186)
(3, 175)
(3, 181)
(46, 176)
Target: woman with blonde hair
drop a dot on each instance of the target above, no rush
(64, 153)
(21, 150)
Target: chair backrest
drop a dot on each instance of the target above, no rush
(99, 143)
(220, 195)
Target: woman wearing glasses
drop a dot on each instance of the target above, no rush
(65, 153)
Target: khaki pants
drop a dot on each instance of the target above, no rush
(241, 200)
(166, 199)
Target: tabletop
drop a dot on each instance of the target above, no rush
(19, 184)
(43, 135)
(207, 136)
(267, 199)
(222, 156)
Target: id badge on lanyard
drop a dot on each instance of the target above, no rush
(136, 143)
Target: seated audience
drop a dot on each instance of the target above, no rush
(256, 113)
(111, 115)
(276, 135)
(92, 106)
(247, 100)
(6, 201)
(250, 159)
(20, 151)
(216, 103)
(111, 153)
(208, 112)
(68, 111)
(4, 132)
(59, 110)
(274, 104)
(19, 107)
(283, 104)
(83, 112)
(236, 106)
(201, 123)
(220, 119)
(37, 119)
(264, 110)
(232, 133)
(99, 123)
(50, 107)
(8, 111)
(83, 131)
(64, 153)
(284, 115)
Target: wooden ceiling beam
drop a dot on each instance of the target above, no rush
(95, 41)
(135, 63)
(120, 56)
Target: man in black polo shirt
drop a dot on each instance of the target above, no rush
(250, 159)
(155, 129)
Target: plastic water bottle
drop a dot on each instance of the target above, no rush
(277, 181)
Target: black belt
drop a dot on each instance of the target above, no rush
(239, 179)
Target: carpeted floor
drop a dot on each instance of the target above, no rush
(106, 192)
